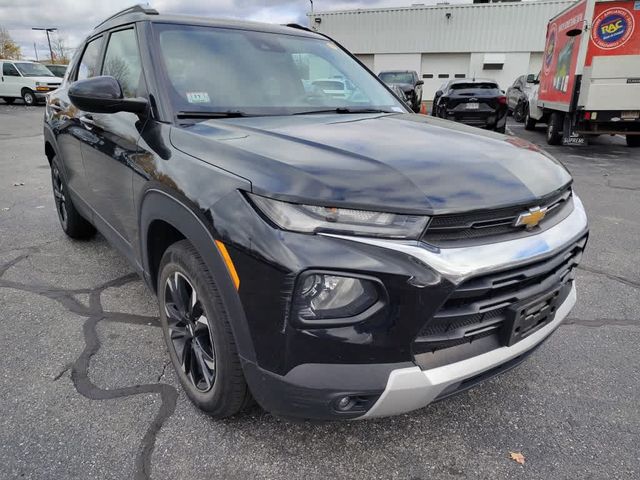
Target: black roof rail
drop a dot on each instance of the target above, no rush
(299, 27)
(134, 9)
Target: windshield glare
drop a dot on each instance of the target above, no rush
(396, 77)
(258, 73)
(33, 70)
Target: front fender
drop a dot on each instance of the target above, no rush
(160, 205)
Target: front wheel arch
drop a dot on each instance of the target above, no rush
(159, 207)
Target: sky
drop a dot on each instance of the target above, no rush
(74, 19)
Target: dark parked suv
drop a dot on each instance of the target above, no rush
(408, 82)
(330, 257)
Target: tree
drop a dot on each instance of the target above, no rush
(60, 50)
(8, 48)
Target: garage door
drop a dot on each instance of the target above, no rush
(437, 68)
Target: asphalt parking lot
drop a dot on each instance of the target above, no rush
(86, 390)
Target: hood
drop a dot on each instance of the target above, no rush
(403, 162)
(406, 87)
(56, 80)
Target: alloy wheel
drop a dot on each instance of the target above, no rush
(59, 195)
(189, 331)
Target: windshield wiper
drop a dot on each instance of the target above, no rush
(212, 114)
(345, 110)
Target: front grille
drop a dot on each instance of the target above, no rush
(479, 307)
(444, 230)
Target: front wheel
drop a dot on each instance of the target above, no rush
(519, 112)
(198, 334)
(29, 97)
(554, 129)
(633, 141)
(529, 122)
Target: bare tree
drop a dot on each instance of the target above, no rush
(61, 52)
(8, 48)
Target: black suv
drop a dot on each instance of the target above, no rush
(329, 257)
(408, 82)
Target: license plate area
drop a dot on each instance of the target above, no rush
(473, 106)
(529, 316)
(630, 115)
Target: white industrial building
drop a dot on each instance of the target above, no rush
(486, 40)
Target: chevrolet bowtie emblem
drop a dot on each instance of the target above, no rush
(531, 218)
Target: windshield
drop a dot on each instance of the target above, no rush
(261, 73)
(396, 77)
(33, 70)
(474, 86)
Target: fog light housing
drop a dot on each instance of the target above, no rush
(322, 298)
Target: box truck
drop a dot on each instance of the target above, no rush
(589, 83)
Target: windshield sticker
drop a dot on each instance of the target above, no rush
(198, 97)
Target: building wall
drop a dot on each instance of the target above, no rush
(515, 64)
(396, 61)
(491, 27)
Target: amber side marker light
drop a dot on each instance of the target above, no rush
(229, 263)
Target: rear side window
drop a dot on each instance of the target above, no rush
(89, 63)
(9, 70)
(122, 61)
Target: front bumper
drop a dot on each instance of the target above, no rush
(411, 388)
(301, 372)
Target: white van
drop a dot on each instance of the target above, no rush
(30, 81)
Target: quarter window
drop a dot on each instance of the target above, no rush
(89, 63)
(122, 61)
(9, 70)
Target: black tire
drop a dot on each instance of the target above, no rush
(529, 123)
(72, 223)
(8, 100)
(203, 352)
(633, 141)
(519, 112)
(554, 128)
(28, 97)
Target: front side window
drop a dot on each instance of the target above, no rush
(8, 70)
(89, 63)
(262, 73)
(122, 61)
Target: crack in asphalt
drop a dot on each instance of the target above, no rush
(610, 276)
(601, 322)
(94, 314)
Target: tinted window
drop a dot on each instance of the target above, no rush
(9, 70)
(473, 86)
(89, 63)
(396, 77)
(263, 73)
(122, 61)
(33, 70)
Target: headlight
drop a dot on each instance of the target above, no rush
(311, 219)
(322, 299)
(41, 84)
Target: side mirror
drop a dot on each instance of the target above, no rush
(531, 78)
(439, 93)
(103, 95)
(420, 82)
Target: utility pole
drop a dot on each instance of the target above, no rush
(35, 50)
(47, 30)
(311, 2)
